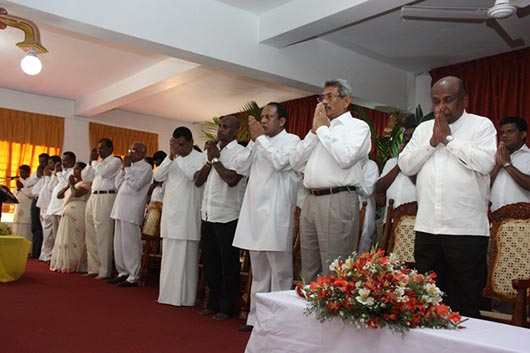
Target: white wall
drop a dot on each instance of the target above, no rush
(422, 94)
(76, 128)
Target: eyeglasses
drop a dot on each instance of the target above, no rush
(132, 150)
(328, 97)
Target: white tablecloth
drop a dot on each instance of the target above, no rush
(282, 326)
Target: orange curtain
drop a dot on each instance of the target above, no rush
(498, 86)
(122, 138)
(23, 136)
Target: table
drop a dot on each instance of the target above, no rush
(282, 326)
(13, 256)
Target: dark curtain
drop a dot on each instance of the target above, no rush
(498, 86)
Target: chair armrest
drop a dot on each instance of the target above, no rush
(519, 317)
(521, 283)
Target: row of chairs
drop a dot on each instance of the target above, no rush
(508, 277)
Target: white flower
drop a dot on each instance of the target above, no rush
(364, 297)
(348, 264)
(334, 266)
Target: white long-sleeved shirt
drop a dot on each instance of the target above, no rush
(45, 194)
(132, 184)
(505, 190)
(105, 171)
(222, 203)
(57, 182)
(267, 214)
(453, 179)
(181, 216)
(330, 157)
(402, 189)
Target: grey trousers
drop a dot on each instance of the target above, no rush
(329, 228)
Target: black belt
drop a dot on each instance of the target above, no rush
(329, 191)
(96, 192)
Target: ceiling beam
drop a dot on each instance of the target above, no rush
(156, 79)
(279, 28)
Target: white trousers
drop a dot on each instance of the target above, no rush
(272, 271)
(99, 228)
(48, 237)
(128, 250)
(179, 272)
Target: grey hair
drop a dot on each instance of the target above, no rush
(342, 85)
(142, 146)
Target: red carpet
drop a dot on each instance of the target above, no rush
(49, 312)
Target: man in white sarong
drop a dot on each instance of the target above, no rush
(181, 220)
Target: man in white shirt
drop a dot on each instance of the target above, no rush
(36, 227)
(43, 201)
(392, 183)
(132, 183)
(266, 221)
(99, 225)
(22, 216)
(452, 156)
(370, 172)
(331, 154)
(58, 181)
(510, 177)
(181, 219)
(221, 203)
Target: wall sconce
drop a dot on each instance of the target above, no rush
(31, 44)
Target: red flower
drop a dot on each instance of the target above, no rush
(333, 307)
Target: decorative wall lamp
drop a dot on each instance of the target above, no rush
(31, 44)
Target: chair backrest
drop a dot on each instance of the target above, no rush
(152, 219)
(509, 253)
(399, 234)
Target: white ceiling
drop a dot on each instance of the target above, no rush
(173, 82)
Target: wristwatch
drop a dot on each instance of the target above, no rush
(507, 164)
(448, 139)
(215, 160)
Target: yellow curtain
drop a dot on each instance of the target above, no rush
(23, 136)
(122, 138)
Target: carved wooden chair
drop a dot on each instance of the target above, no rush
(152, 251)
(399, 234)
(509, 262)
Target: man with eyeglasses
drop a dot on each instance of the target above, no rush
(132, 182)
(330, 156)
(99, 225)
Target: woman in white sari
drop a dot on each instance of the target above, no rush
(69, 251)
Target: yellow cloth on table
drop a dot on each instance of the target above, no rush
(13, 256)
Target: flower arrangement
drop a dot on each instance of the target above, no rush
(373, 290)
(4, 229)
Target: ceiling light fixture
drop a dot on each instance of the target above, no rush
(31, 44)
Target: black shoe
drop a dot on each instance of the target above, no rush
(118, 279)
(246, 328)
(127, 284)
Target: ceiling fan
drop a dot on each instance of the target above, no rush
(501, 16)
